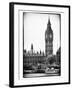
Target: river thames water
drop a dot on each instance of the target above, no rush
(39, 75)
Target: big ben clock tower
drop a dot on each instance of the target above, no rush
(49, 39)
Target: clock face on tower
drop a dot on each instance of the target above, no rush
(50, 36)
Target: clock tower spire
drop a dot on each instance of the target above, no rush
(49, 39)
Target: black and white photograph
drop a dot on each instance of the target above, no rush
(42, 49)
(39, 44)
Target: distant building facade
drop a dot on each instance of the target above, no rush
(33, 58)
(58, 55)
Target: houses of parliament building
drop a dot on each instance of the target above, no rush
(30, 57)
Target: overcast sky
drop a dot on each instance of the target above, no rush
(35, 26)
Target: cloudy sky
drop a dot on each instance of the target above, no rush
(35, 25)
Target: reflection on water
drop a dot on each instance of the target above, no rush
(39, 75)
